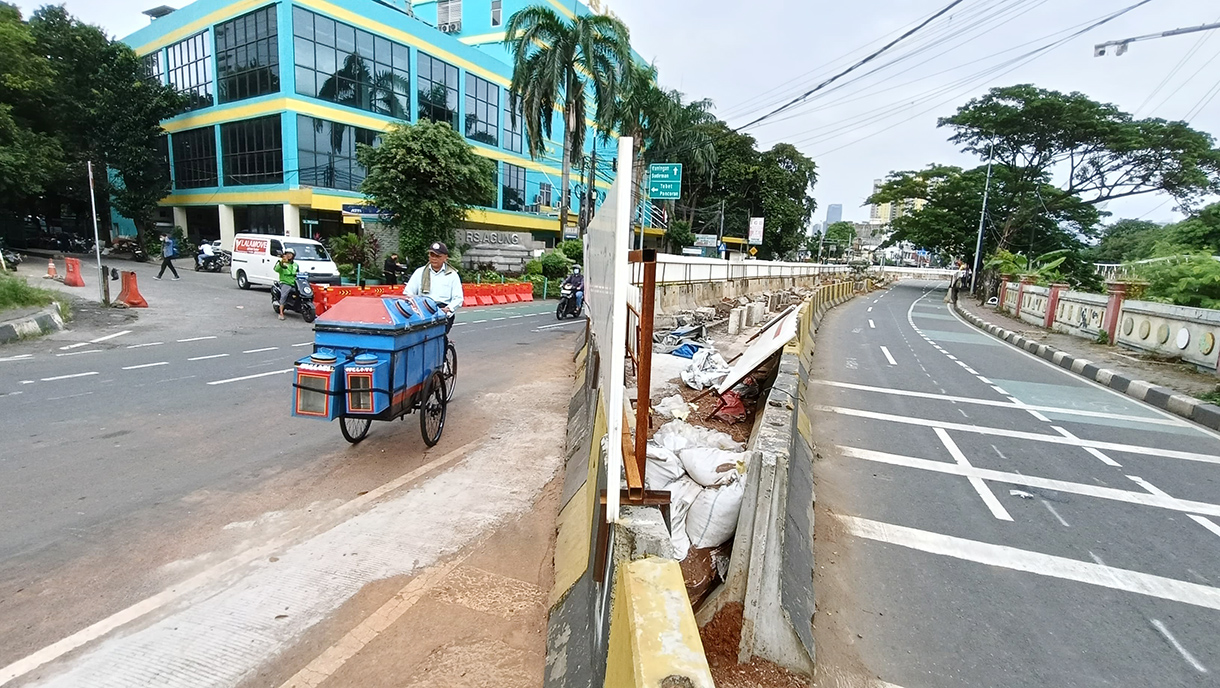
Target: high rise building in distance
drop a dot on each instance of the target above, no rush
(834, 213)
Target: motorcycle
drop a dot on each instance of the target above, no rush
(11, 258)
(213, 263)
(568, 306)
(300, 299)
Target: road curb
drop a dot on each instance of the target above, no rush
(37, 324)
(1164, 398)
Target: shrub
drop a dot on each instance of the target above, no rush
(555, 265)
(16, 293)
(574, 249)
(353, 249)
(533, 267)
(1191, 281)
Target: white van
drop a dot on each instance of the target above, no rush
(255, 256)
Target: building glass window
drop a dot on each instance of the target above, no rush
(154, 69)
(512, 133)
(497, 13)
(482, 110)
(163, 154)
(261, 219)
(194, 158)
(514, 187)
(248, 56)
(438, 90)
(253, 151)
(544, 194)
(189, 65)
(342, 64)
(327, 153)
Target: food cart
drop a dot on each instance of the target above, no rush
(375, 358)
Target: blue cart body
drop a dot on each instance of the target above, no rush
(372, 356)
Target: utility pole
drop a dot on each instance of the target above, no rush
(978, 247)
(720, 234)
(97, 241)
(1120, 46)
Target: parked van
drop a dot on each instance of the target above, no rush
(255, 256)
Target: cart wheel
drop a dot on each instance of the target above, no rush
(450, 370)
(432, 410)
(354, 429)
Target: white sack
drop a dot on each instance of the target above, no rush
(712, 519)
(678, 435)
(707, 369)
(682, 493)
(709, 466)
(664, 467)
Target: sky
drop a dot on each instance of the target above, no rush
(749, 57)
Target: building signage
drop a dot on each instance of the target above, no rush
(691, 251)
(705, 240)
(357, 209)
(476, 237)
(756, 231)
(665, 181)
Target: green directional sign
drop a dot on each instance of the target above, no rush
(665, 181)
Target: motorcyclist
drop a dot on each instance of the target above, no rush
(287, 270)
(438, 281)
(576, 280)
(205, 254)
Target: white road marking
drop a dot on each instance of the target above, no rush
(999, 453)
(146, 365)
(73, 346)
(1013, 404)
(871, 326)
(204, 358)
(1083, 489)
(109, 336)
(249, 377)
(979, 486)
(303, 344)
(1096, 558)
(1160, 627)
(70, 396)
(515, 316)
(888, 357)
(559, 324)
(476, 322)
(1092, 452)
(68, 377)
(141, 346)
(27, 382)
(1054, 513)
(197, 339)
(101, 628)
(78, 353)
(999, 390)
(175, 379)
(870, 309)
(20, 357)
(1035, 562)
(961, 411)
(1207, 523)
(984, 380)
(498, 319)
(1023, 435)
(257, 351)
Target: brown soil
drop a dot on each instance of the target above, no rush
(721, 636)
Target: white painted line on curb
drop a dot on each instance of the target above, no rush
(204, 358)
(196, 339)
(1036, 563)
(249, 377)
(141, 346)
(1160, 627)
(258, 351)
(109, 336)
(68, 377)
(979, 486)
(146, 365)
(78, 353)
(888, 357)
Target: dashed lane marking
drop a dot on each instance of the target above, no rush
(146, 365)
(20, 357)
(871, 326)
(73, 346)
(303, 344)
(197, 339)
(1037, 563)
(259, 351)
(68, 377)
(109, 337)
(78, 353)
(141, 346)
(204, 358)
(888, 356)
(249, 377)
(70, 396)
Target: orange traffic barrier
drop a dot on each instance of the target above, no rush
(511, 292)
(497, 293)
(130, 293)
(50, 270)
(527, 291)
(72, 277)
(484, 295)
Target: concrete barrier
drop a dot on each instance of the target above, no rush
(43, 322)
(654, 641)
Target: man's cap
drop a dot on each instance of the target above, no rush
(288, 250)
(438, 248)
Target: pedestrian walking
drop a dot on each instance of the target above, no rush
(167, 256)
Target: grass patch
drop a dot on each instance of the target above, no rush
(15, 293)
(1212, 397)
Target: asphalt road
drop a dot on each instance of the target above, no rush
(128, 448)
(998, 521)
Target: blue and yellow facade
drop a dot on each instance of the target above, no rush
(281, 91)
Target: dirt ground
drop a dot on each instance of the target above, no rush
(1178, 376)
(721, 636)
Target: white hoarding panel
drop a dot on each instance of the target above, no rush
(606, 277)
(771, 340)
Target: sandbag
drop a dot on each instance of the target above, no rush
(682, 493)
(712, 518)
(664, 467)
(709, 466)
(678, 435)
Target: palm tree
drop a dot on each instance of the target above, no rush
(556, 62)
(693, 144)
(648, 115)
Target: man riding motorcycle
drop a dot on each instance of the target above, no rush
(576, 280)
(438, 281)
(287, 270)
(206, 254)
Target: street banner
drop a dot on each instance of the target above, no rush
(756, 231)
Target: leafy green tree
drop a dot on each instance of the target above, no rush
(1190, 280)
(424, 177)
(556, 63)
(574, 249)
(1199, 232)
(785, 196)
(30, 158)
(1126, 240)
(679, 235)
(839, 236)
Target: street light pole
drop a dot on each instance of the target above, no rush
(97, 241)
(978, 247)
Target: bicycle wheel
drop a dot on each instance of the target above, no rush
(432, 410)
(354, 429)
(450, 370)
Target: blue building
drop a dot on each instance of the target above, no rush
(281, 91)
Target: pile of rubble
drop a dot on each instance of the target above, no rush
(748, 311)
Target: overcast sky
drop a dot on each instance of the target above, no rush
(746, 56)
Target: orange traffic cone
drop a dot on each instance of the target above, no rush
(50, 270)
